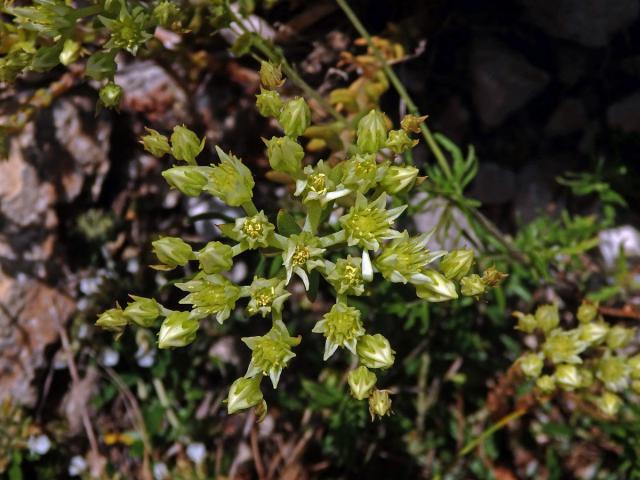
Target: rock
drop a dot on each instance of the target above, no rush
(504, 81)
(588, 22)
(493, 184)
(616, 240)
(570, 116)
(625, 114)
(29, 319)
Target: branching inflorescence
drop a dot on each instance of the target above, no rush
(361, 193)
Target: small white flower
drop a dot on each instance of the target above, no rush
(196, 452)
(39, 444)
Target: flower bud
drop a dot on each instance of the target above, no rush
(587, 311)
(209, 295)
(143, 311)
(546, 383)
(113, 320)
(215, 257)
(564, 346)
(231, 181)
(189, 179)
(372, 132)
(531, 364)
(110, 95)
(614, 373)
(619, 337)
(295, 117)
(155, 143)
(70, 52)
(244, 393)
(411, 123)
(375, 351)
(166, 13)
(379, 403)
(526, 323)
(547, 317)
(178, 330)
(185, 144)
(567, 377)
(269, 103)
(437, 288)
(609, 403)
(492, 277)
(361, 382)
(457, 263)
(285, 155)
(593, 333)
(270, 75)
(172, 251)
(397, 179)
(472, 286)
(399, 141)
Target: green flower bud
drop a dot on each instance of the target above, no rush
(346, 275)
(593, 333)
(231, 181)
(634, 366)
(209, 295)
(374, 351)
(620, 337)
(398, 179)
(143, 311)
(155, 143)
(70, 52)
(404, 259)
(492, 277)
(457, 263)
(270, 75)
(269, 103)
(526, 323)
(531, 364)
(547, 317)
(110, 95)
(399, 141)
(254, 232)
(564, 346)
(185, 144)
(411, 123)
(614, 373)
(128, 30)
(546, 383)
(271, 352)
(215, 257)
(609, 403)
(189, 179)
(372, 132)
(172, 251)
(178, 330)
(567, 377)
(113, 320)
(267, 296)
(301, 255)
(473, 286)
(361, 382)
(379, 403)
(587, 311)
(368, 223)
(285, 155)
(166, 13)
(243, 394)
(436, 288)
(295, 117)
(341, 327)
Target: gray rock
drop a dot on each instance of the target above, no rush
(504, 81)
(493, 184)
(625, 114)
(568, 117)
(588, 22)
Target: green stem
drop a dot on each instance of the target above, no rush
(250, 208)
(491, 430)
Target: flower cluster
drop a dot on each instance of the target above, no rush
(364, 240)
(591, 359)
